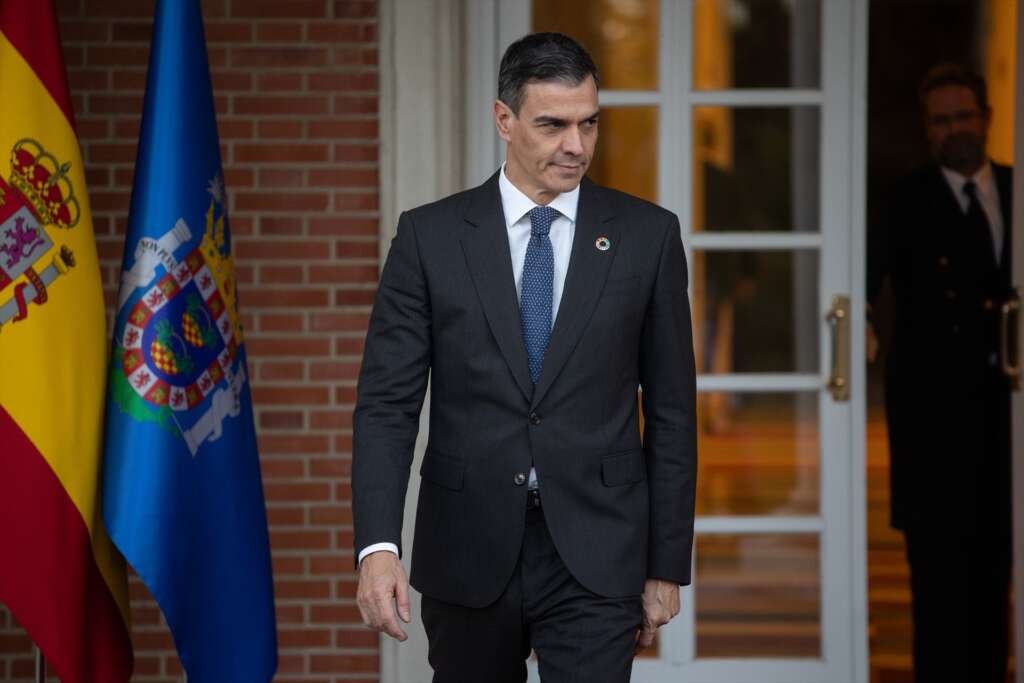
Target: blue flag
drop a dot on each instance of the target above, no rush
(182, 494)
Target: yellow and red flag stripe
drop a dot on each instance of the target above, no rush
(60, 576)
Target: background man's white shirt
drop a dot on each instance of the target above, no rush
(988, 195)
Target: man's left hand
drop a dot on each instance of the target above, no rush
(661, 604)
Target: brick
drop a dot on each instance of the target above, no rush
(354, 104)
(279, 57)
(296, 540)
(343, 444)
(228, 32)
(116, 104)
(303, 637)
(333, 419)
(290, 105)
(343, 226)
(282, 468)
(280, 129)
(342, 32)
(352, 638)
(331, 467)
(329, 514)
(344, 177)
(282, 419)
(281, 370)
(278, 516)
(279, 32)
(275, 152)
(271, 298)
(291, 589)
(334, 370)
(343, 129)
(342, 274)
(285, 565)
(289, 395)
(335, 80)
(133, 32)
(266, 9)
(356, 153)
(288, 346)
(345, 395)
(334, 614)
(300, 492)
(291, 444)
(355, 8)
(356, 201)
(281, 322)
(281, 177)
(281, 201)
(338, 322)
(281, 250)
(281, 274)
(279, 81)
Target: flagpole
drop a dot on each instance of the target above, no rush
(40, 666)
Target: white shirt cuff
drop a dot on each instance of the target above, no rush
(390, 547)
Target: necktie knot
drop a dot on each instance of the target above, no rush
(541, 218)
(971, 190)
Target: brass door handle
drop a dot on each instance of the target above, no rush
(838, 318)
(1009, 342)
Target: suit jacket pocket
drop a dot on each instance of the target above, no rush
(620, 469)
(443, 470)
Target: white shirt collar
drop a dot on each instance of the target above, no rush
(515, 204)
(983, 178)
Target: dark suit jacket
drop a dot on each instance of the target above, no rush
(619, 509)
(946, 403)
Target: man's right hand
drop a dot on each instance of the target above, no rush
(382, 584)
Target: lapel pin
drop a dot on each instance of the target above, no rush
(603, 243)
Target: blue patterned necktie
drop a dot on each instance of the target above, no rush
(537, 288)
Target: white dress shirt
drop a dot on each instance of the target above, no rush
(516, 206)
(988, 195)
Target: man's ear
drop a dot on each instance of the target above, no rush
(504, 119)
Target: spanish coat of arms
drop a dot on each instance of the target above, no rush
(37, 202)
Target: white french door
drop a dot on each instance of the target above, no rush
(759, 148)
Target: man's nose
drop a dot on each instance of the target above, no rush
(572, 142)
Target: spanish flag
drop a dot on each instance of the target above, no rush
(60, 575)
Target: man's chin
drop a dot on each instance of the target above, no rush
(565, 179)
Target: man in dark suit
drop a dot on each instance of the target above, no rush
(946, 247)
(539, 302)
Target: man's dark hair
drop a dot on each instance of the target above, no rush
(955, 74)
(542, 57)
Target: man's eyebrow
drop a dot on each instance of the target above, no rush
(544, 119)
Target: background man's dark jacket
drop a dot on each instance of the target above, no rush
(947, 403)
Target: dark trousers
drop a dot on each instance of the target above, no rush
(960, 591)
(578, 636)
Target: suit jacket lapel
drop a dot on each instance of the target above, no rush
(490, 264)
(588, 268)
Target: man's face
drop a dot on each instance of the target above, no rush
(551, 141)
(957, 128)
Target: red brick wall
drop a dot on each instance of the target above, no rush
(296, 85)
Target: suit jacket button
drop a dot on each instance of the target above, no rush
(943, 262)
(535, 419)
(519, 479)
(989, 304)
(950, 294)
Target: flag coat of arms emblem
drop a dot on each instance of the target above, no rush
(182, 492)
